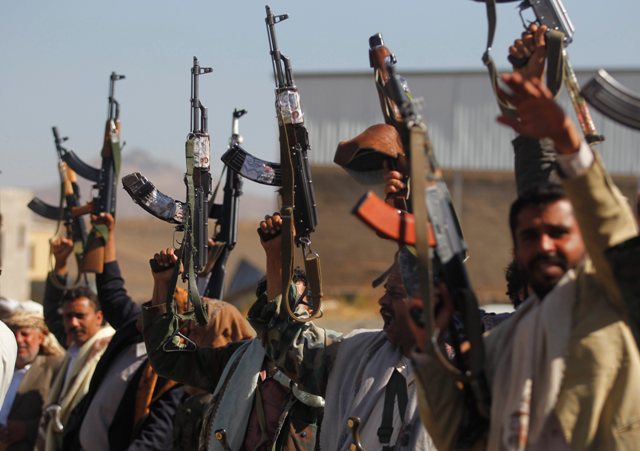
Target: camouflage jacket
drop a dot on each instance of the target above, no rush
(203, 368)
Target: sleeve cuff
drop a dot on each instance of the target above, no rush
(150, 309)
(578, 163)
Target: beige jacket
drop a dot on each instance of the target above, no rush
(598, 401)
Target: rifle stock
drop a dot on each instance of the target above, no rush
(388, 222)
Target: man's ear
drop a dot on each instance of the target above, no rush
(100, 316)
(41, 336)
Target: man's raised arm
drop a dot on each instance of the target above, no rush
(603, 215)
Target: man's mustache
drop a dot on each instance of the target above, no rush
(554, 259)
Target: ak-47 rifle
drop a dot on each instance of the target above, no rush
(298, 199)
(226, 216)
(105, 178)
(69, 201)
(437, 227)
(553, 14)
(292, 174)
(191, 216)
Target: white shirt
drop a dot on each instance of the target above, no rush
(8, 354)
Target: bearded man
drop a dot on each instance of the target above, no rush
(38, 361)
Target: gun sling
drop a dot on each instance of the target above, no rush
(555, 58)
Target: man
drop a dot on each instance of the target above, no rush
(365, 374)
(126, 406)
(83, 324)
(254, 406)
(562, 369)
(226, 325)
(39, 358)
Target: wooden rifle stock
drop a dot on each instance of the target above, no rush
(387, 221)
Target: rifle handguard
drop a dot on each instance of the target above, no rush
(86, 209)
(93, 260)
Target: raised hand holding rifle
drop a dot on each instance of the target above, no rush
(559, 34)
(298, 212)
(105, 178)
(75, 228)
(192, 215)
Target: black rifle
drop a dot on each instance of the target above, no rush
(294, 141)
(75, 226)
(226, 216)
(298, 199)
(105, 178)
(192, 215)
(292, 173)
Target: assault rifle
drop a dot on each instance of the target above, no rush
(226, 216)
(292, 174)
(612, 99)
(553, 14)
(436, 227)
(69, 201)
(105, 178)
(191, 216)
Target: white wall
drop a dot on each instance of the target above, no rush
(15, 243)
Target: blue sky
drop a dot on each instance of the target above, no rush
(57, 56)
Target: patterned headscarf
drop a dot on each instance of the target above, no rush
(21, 319)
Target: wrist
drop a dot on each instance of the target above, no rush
(60, 271)
(568, 141)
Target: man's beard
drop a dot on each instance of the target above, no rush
(542, 287)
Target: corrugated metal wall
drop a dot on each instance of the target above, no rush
(460, 111)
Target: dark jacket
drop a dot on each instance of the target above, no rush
(155, 433)
(31, 396)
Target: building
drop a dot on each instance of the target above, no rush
(15, 243)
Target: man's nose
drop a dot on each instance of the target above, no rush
(546, 243)
(74, 322)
